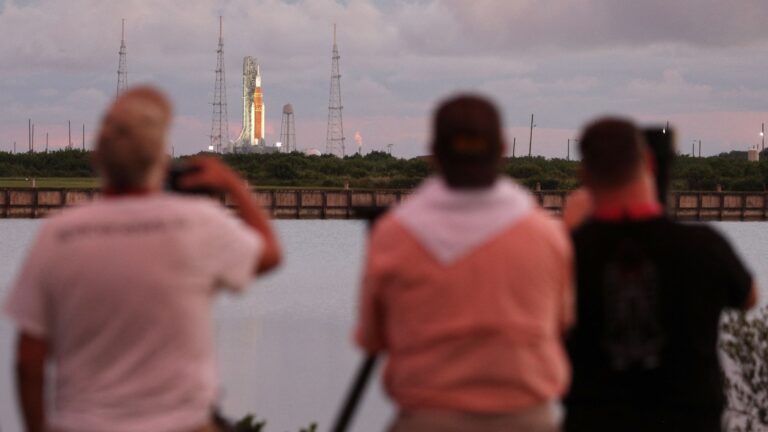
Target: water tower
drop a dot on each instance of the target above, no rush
(288, 129)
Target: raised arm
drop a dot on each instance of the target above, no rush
(30, 380)
(213, 174)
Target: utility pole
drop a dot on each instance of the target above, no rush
(699, 148)
(46, 142)
(14, 147)
(69, 139)
(32, 147)
(530, 139)
(514, 142)
(29, 135)
(693, 148)
(83, 136)
(568, 155)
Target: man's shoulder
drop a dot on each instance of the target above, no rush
(387, 225)
(159, 205)
(541, 222)
(684, 235)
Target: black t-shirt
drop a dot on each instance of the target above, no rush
(643, 351)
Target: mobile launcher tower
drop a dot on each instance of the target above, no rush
(251, 139)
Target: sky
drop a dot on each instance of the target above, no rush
(699, 64)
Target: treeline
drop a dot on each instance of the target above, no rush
(61, 163)
(731, 171)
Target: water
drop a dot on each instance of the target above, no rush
(284, 347)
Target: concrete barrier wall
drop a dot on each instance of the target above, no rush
(342, 204)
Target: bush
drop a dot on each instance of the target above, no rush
(744, 341)
(524, 170)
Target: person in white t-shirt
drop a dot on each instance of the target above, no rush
(116, 294)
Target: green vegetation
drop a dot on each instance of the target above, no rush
(744, 341)
(250, 424)
(62, 163)
(72, 168)
(49, 182)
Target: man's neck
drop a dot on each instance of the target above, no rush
(637, 197)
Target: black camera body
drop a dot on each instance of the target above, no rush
(176, 172)
(661, 141)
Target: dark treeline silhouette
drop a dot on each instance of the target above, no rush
(731, 171)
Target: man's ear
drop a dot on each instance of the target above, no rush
(583, 176)
(96, 158)
(434, 160)
(649, 160)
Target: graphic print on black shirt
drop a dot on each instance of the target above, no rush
(631, 283)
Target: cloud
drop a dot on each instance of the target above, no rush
(672, 83)
(521, 26)
(564, 61)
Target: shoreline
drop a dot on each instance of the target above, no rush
(307, 203)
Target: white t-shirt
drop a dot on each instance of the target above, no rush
(122, 289)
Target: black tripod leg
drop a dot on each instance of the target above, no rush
(355, 394)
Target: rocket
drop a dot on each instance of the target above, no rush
(258, 109)
(253, 104)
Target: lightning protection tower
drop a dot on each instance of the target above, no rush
(334, 143)
(122, 67)
(220, 122)
(288, 129)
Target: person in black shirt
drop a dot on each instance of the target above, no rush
(649, 296)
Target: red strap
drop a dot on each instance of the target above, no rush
(636, 212)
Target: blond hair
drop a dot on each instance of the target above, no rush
(132, 139)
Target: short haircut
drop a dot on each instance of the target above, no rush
(132, 140)
(611, 151)
(467, 140)
(152, 95)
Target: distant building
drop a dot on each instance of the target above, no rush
(313, 152)
(753, 155)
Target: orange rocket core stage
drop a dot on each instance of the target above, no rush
(258, 114)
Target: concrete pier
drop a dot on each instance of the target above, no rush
(342, 204)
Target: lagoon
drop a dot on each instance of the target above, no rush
(284, 347)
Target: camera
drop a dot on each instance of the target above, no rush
(661, 141)
(173, 177)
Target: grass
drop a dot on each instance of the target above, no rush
(50, 182)
(89, 182)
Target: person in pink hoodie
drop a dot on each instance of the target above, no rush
(468, 290)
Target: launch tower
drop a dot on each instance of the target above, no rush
(334, 142)
(122, 67)
(220, 122)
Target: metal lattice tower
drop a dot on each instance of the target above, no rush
(288, 129)
(334, 143)
(220, 122)
(122, 67)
